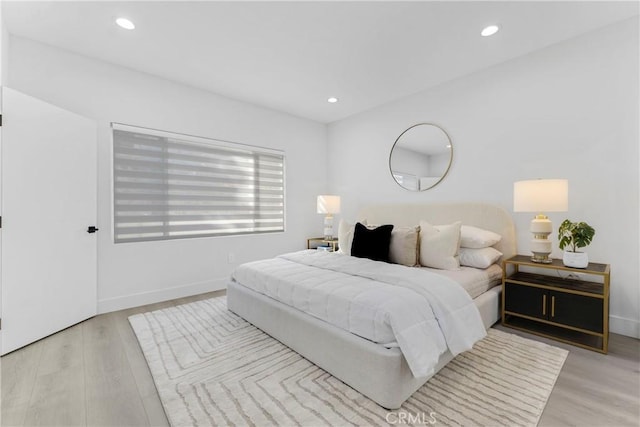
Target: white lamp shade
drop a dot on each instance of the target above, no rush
(541, 195)
(328, 204)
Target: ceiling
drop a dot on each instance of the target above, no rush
(292, 56)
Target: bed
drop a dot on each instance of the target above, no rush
(379, 370)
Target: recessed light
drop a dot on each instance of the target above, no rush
(125, 23)
(489, 31)
(332, 100)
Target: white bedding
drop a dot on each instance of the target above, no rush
(423, 312)
(475, 281)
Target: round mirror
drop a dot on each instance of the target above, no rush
(420, 157)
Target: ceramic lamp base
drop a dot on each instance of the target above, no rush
(541, 259)
(541, 228)
(328, 227)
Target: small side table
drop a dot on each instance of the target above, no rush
(554, 305)
(314, 242)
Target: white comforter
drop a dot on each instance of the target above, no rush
(425, 313)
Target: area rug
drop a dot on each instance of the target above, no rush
(211, 367)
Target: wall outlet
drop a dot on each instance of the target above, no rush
(231, 257)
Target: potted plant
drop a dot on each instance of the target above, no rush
(574, 235)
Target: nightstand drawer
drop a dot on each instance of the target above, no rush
(526, 300)
(576, 310)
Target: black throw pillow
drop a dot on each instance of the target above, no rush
(372, 243)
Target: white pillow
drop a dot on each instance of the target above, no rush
(477, 238)
(439, 245)
(479, 258)
(345, 236)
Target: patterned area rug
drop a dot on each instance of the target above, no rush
(211, 367)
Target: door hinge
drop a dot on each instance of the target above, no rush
(0, 323)
(0, 222)
(0, 120)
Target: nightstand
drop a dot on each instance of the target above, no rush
(552, 301)
(314, 242)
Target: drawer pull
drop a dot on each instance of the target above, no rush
(544, 305)
(553, 306)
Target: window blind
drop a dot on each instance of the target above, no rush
(171, 186)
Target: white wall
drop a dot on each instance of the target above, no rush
(566, 111)
(137, 273)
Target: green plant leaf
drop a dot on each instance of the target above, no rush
(575, 234)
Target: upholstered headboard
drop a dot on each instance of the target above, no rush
(482, 215)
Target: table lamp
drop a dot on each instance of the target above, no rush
(541, 195)
(328, 205)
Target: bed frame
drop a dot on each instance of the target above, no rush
(353, 359)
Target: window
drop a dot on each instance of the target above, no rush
(172, 186)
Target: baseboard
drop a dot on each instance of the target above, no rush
(135, 300)
(624, 326)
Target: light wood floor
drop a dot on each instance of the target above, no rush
(94, 373)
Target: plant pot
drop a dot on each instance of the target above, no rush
(575, 259)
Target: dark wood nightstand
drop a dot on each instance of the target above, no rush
(314, 242)
(545, 300)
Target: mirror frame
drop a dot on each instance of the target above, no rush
(446, 170)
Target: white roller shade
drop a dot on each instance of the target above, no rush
(171, 186)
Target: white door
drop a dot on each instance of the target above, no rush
(49, 262)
